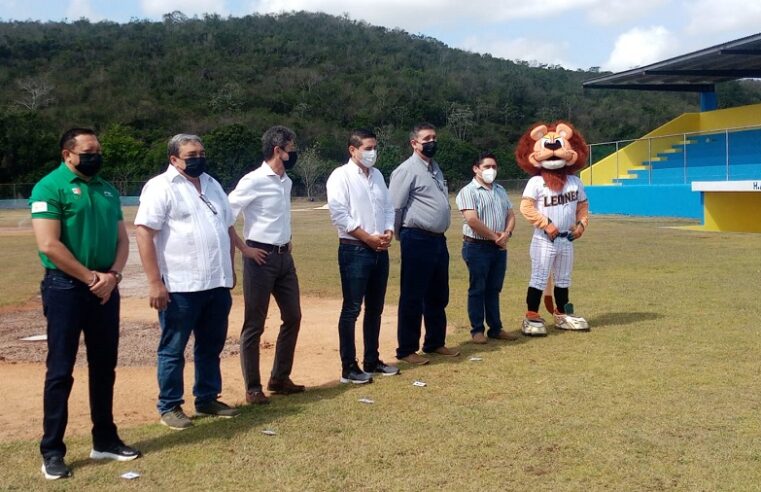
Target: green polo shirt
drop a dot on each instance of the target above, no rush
(89, 212)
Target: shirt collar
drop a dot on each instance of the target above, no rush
(433, 168)
(479, 185)
(175, 174)
(72, 176)
(358, 169)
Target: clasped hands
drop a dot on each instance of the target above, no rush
(102, 285)
(380, 242)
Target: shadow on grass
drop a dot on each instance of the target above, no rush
(619, 319)
(250, 418)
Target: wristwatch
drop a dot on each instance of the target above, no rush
(116, 275)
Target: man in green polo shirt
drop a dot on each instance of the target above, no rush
(83, 244)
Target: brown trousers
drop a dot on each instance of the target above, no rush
(277, 277)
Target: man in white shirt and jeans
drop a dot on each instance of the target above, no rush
(264, 197)
(184, 234)
(362, 212)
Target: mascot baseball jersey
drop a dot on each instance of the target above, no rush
(559, 207)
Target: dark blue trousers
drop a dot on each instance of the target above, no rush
(424, 291)
(364, 276)
(205, 315)
(71, 309)
(487, 264)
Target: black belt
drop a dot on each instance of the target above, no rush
(427, 233)
(566, 235)
(269, 248)
(473, 240)
(353, 242)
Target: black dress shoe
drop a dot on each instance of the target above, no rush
(285, 386)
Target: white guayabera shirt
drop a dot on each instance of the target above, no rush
(193, 242)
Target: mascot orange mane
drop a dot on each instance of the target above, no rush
(554, 151)
(555, 203)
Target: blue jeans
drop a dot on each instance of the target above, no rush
(205, 315)
(424, 291)
(71, 309)
(364, 275)
(487, 265)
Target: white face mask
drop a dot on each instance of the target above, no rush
(368, 157)
(489, 175)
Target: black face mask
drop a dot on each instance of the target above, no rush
(89, 164)
(195, 166)
(429, 149)
(292, 157)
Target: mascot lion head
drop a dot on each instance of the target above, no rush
(554, 151)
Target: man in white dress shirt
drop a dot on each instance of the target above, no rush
(184, 234)
(264, 197)
(361, 210)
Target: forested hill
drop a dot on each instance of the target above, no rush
(229, 79)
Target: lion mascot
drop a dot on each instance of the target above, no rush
(555, 203)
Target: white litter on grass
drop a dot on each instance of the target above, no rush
(35, 338)
(419, 383)
(366, 400)
(130, 475)
(476, 359)
(269, 432)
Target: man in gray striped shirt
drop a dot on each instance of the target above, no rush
(489, 223)
(422, 215)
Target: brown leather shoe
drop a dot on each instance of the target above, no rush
(285, 386)
(447, 351)
(479, 338)
(256, 398)
(414, 359)
(505, 335)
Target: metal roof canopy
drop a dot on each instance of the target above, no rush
(699, 71)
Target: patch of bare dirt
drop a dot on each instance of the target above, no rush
(22, 368)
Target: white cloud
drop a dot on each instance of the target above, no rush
(638, 47)
(611, 12)
(155, 8)
(531, 50)
(711, 16)
(78, 9)
(415, 16)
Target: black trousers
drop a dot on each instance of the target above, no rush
(70, 309)
(277, 277)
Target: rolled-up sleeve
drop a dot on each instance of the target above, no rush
(338, 202)
(242, 195)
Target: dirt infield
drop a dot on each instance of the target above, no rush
(22, 368)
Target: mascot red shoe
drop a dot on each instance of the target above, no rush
(554, 201)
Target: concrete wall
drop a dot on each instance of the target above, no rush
(653, 200)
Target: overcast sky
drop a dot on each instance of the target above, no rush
(612, 34)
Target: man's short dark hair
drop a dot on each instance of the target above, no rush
(277, 136)
(420, 127)
(482, 156)
(68, 138)
(356, 137)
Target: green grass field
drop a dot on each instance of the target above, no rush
(662, 394)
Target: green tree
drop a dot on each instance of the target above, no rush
(232, 151)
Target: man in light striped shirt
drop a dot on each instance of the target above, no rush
(489, 223)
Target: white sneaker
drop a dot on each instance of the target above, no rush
(570, 322)
(533, 326)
